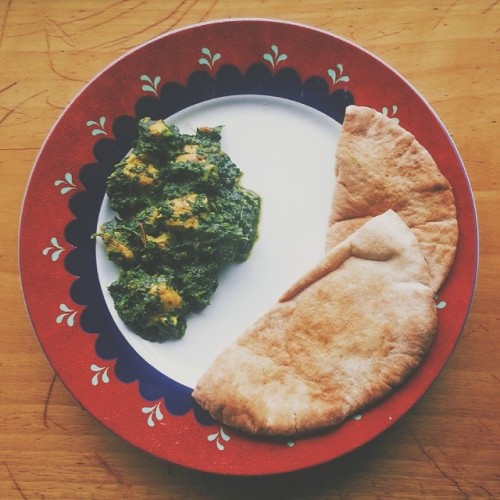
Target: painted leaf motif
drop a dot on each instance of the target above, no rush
(154, 412)
(100, 125)
(210, 59)
(151, 85)
(68, 179)
(268, 57)
(70, 321)
(223, 435)
(151, 422)
(100, 372)
(55, 250)
(333, 74)
(213, 437)
(55, 255)
(67, 314)
(158, 413)
(275, 57)
(394, 108)
(105, 376)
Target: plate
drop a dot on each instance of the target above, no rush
(280, 90)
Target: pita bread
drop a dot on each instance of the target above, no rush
(381, 166)
(341, 338)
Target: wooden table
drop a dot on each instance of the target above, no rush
(447, 446)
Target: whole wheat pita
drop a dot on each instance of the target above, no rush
(341, 338)
(380, 166)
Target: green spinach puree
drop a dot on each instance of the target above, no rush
(182, 217)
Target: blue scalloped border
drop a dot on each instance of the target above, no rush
(85, 205)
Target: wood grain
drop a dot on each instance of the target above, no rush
(447, 446)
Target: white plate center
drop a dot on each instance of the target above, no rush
(286, 151)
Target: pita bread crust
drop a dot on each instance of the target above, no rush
(380, 166)
(341, 338)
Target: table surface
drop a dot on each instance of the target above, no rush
(447, 446)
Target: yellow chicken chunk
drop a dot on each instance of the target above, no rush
(190, 154)
(183, 211)
(161, 241)
(169, 298)
(158, 128)
(115, 246)
(135, 169)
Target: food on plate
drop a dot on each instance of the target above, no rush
(357, 324)
(182, 215)
(381, 166)
(341, 338)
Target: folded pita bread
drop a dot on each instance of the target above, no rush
(341, 338)
(381, 166)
